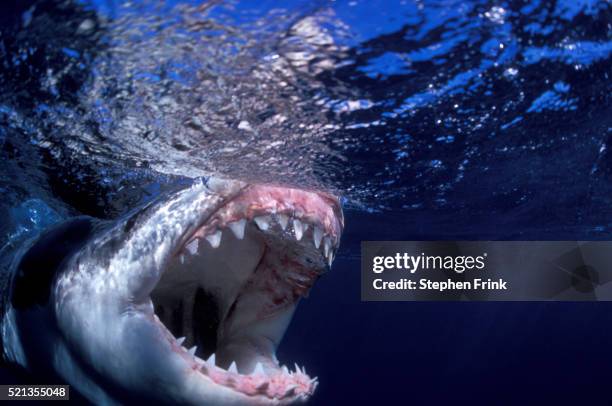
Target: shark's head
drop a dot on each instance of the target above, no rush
(187, 299)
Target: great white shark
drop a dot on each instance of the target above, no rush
(182, 301)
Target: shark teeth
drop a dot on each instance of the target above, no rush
(290, 390)
(317, 235)
(214, 239)
(192, 247)
(277, 384)
(180, 340)
(283, 220)
(263, 222)
(326, 246)
(238, 228)
(298, 227)
(258, 369)
(322, 239)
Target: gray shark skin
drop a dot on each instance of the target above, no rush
(182, 301)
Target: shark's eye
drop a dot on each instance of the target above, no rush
(213, 184)
(204, 180)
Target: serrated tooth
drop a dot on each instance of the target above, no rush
(330, 258)
(290, 391)
(238, 228)
(192, 247)
(263, 222)
(317, 235)
(326, 246)
(214, 239)
(285, 370)
(258, 369)
(233, 368)
(182, 259)
(211, 360)
(298, 227)
(297, 367)
(180, 340)
(192, 350)
(283, 220)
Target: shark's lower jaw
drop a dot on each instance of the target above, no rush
(229, 290)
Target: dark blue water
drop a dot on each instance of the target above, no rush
(446, 353)
(433, 120)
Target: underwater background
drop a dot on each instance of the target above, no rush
(432, 119)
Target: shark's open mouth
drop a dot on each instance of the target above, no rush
(229, 291)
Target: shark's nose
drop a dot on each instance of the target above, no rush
(223, 186)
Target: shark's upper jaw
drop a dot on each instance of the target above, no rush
(232, 283)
